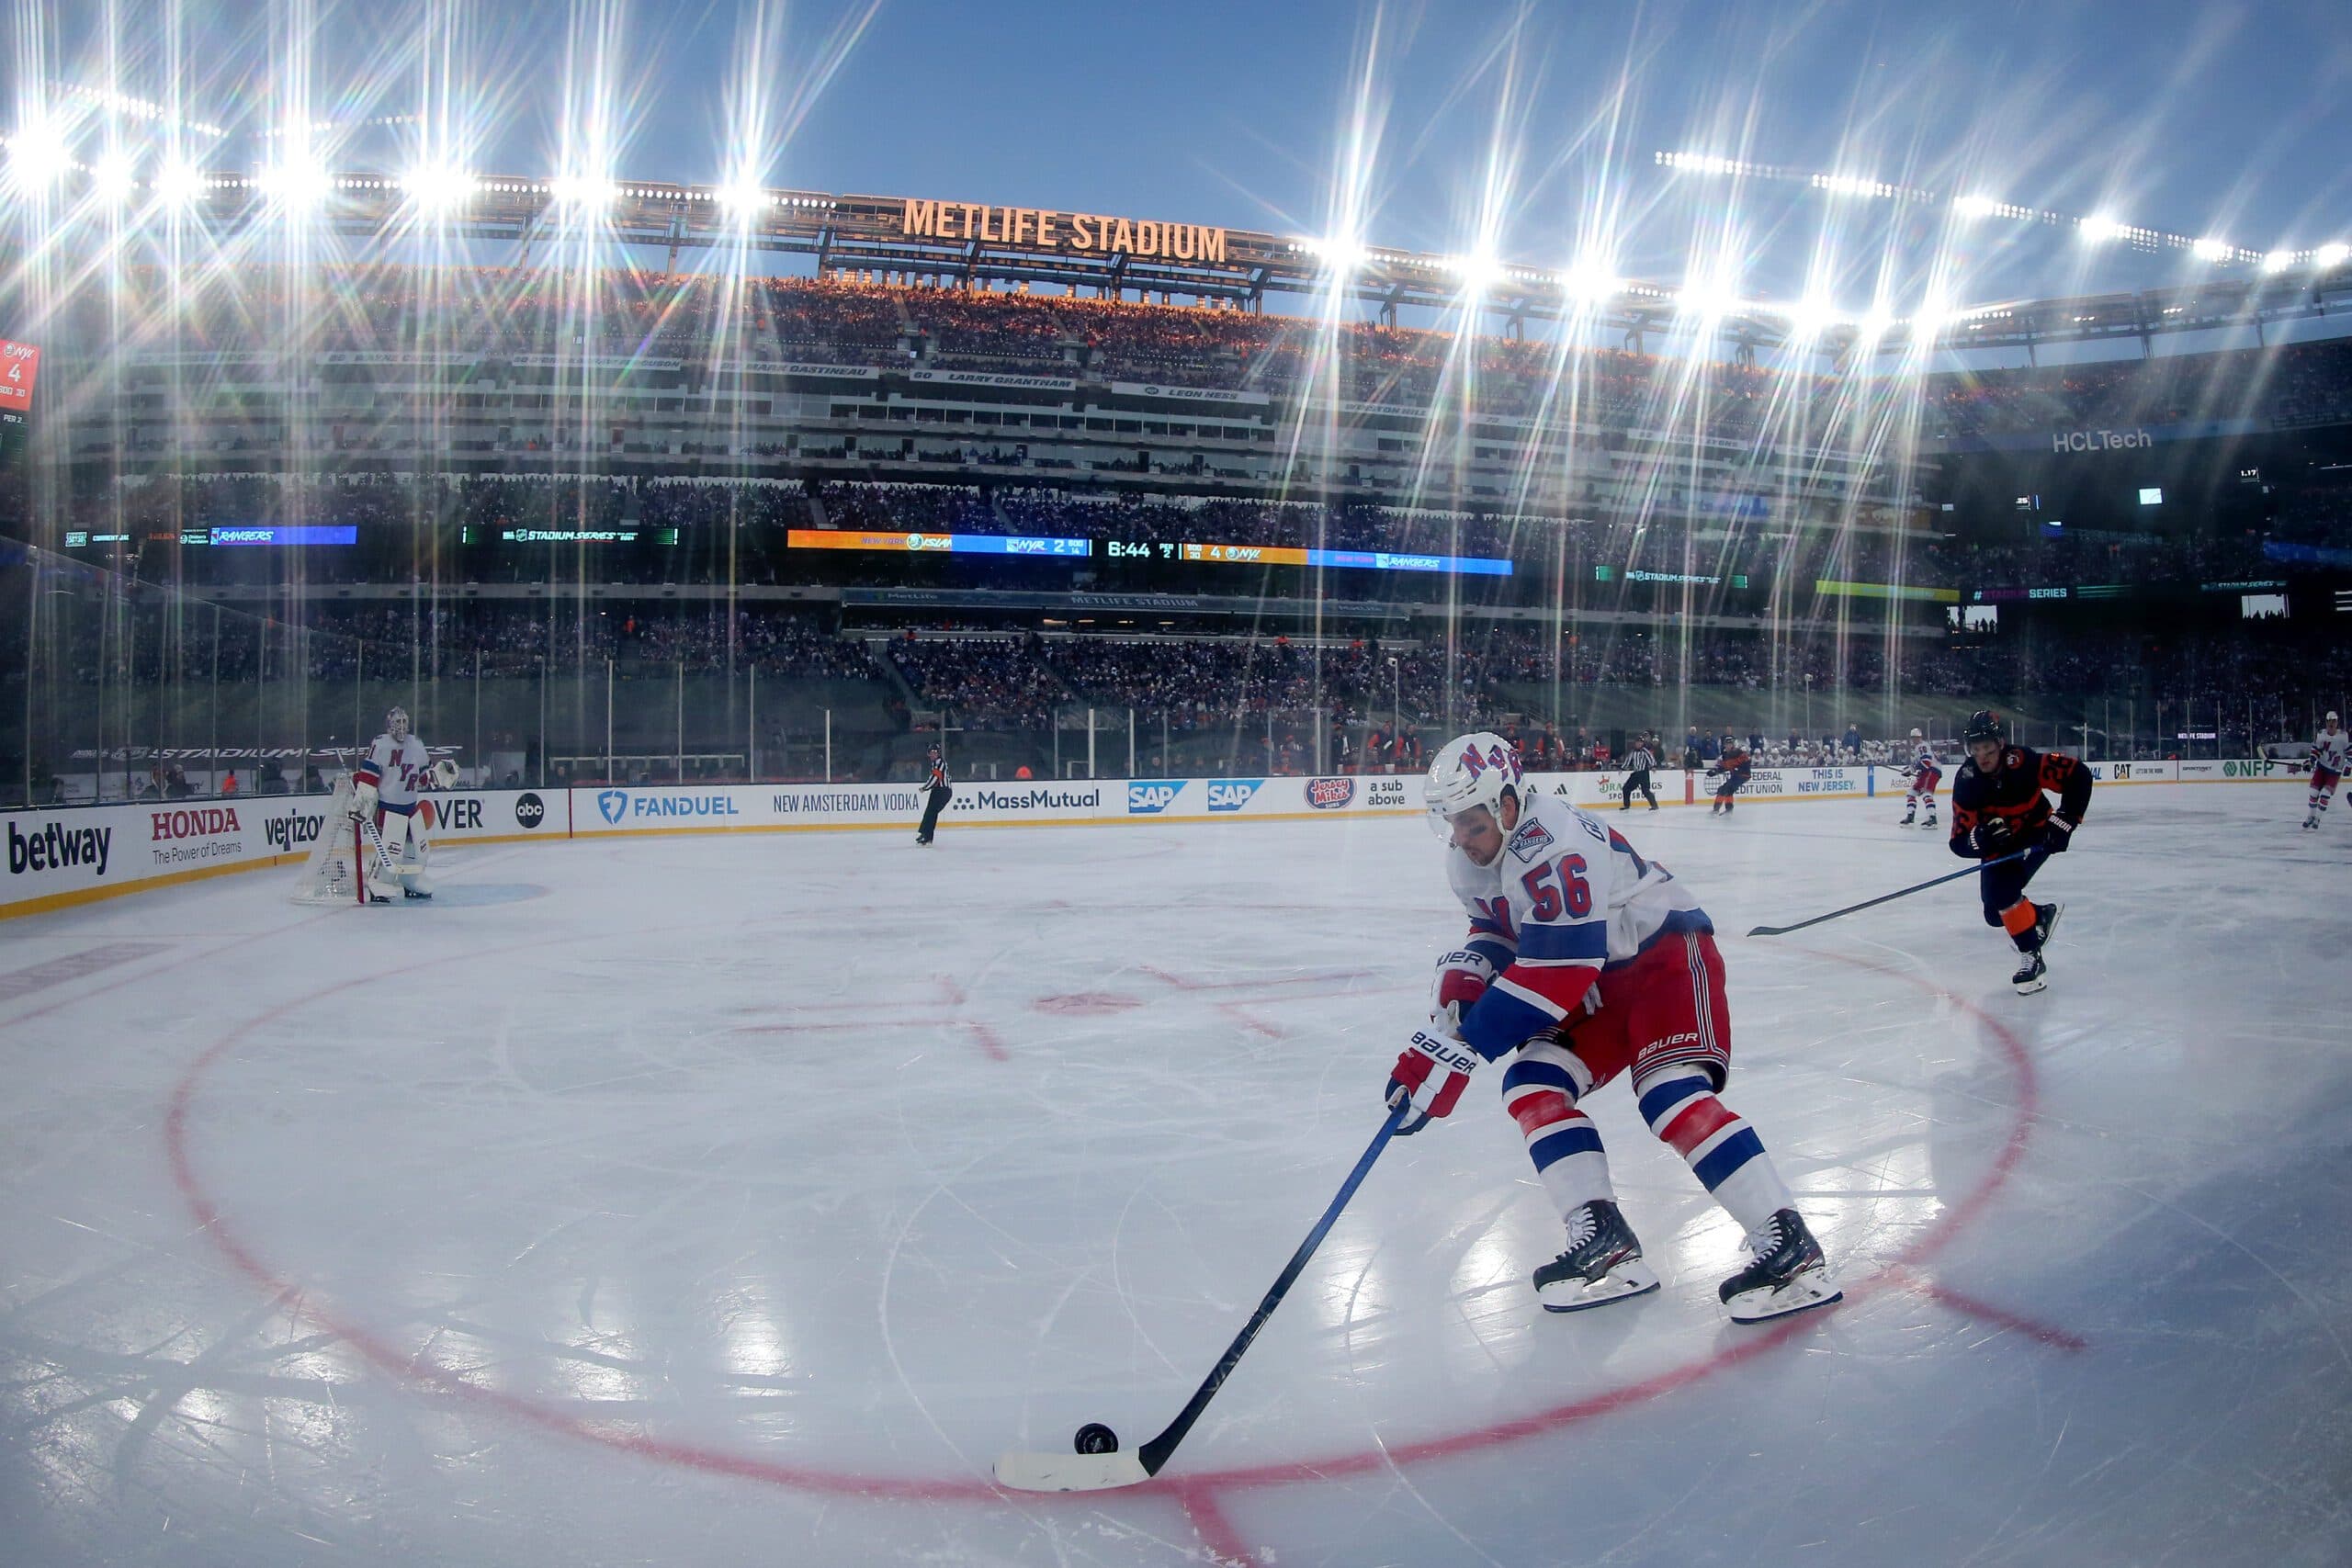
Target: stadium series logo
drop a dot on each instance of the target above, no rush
(1330, 795)
(613, 803)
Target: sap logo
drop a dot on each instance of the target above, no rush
(1531, 842)
(199, 822)
(1146, 797)
(54, 847)
(285, 832)
(450, 813)
(1330, 795)
(1232, 794)
(613, 803)
(530, 811)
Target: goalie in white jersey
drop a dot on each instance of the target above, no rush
(385, 787)
(2331, 750)
(1584, 961)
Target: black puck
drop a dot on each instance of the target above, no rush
(1096, 1438)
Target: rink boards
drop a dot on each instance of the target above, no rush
(61, 856)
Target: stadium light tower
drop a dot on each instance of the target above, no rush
(2100, 228)
(1590, 280)
(114, 178)
(297, 182)
(2213, 250)
(2329, 257)
(179, 183)
(1976, 206)
(2279, 261)
(1479, 271)
(1341, 255)
(38, 156)
(745, 199)
(582, 190)
(438, 188)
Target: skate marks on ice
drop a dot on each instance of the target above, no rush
(622, 1258)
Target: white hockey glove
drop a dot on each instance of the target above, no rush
(1463, 976)
(445, 774)
(1430, 1076)
(363, 801)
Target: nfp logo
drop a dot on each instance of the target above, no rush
(1150, 796)
(1232, 794)
(1330, 795)
(613, 803)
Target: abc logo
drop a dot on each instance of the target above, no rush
(530, 810)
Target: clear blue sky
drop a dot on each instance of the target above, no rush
(2201, 118)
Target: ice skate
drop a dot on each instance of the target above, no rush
(2032, 974)
(1908, 818)
(1602, 1263)
(1787, 1273)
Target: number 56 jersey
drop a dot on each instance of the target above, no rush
(1566, 897)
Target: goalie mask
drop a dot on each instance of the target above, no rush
(1473, 770)
(396, 725)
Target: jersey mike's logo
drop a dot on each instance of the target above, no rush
(529, 811)
(1330, 795)
(1232, 794)
(613, 803)
(1151, 797)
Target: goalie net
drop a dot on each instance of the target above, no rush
(332, 874)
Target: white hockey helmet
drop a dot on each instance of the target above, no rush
(1914, 733)
(396, 724)
(2331, 716)
(1470, 769)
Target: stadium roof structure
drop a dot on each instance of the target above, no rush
(969, 241)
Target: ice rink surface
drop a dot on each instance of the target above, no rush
(736, 1199)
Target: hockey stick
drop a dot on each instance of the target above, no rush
(1101, 1471)
(1898, 893)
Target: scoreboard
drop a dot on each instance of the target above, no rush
(1208, 553)
(19, 367)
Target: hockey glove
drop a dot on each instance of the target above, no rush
(1995, 836)
(445, 774)
(1430, 1074)
(2057, 834)
(1462, 978)
(363, 801)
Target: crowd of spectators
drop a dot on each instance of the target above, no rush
(887, 321)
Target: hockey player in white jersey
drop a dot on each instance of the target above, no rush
(2331, 750)
(1585, 961)
(1924, 774)
(385, 787)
